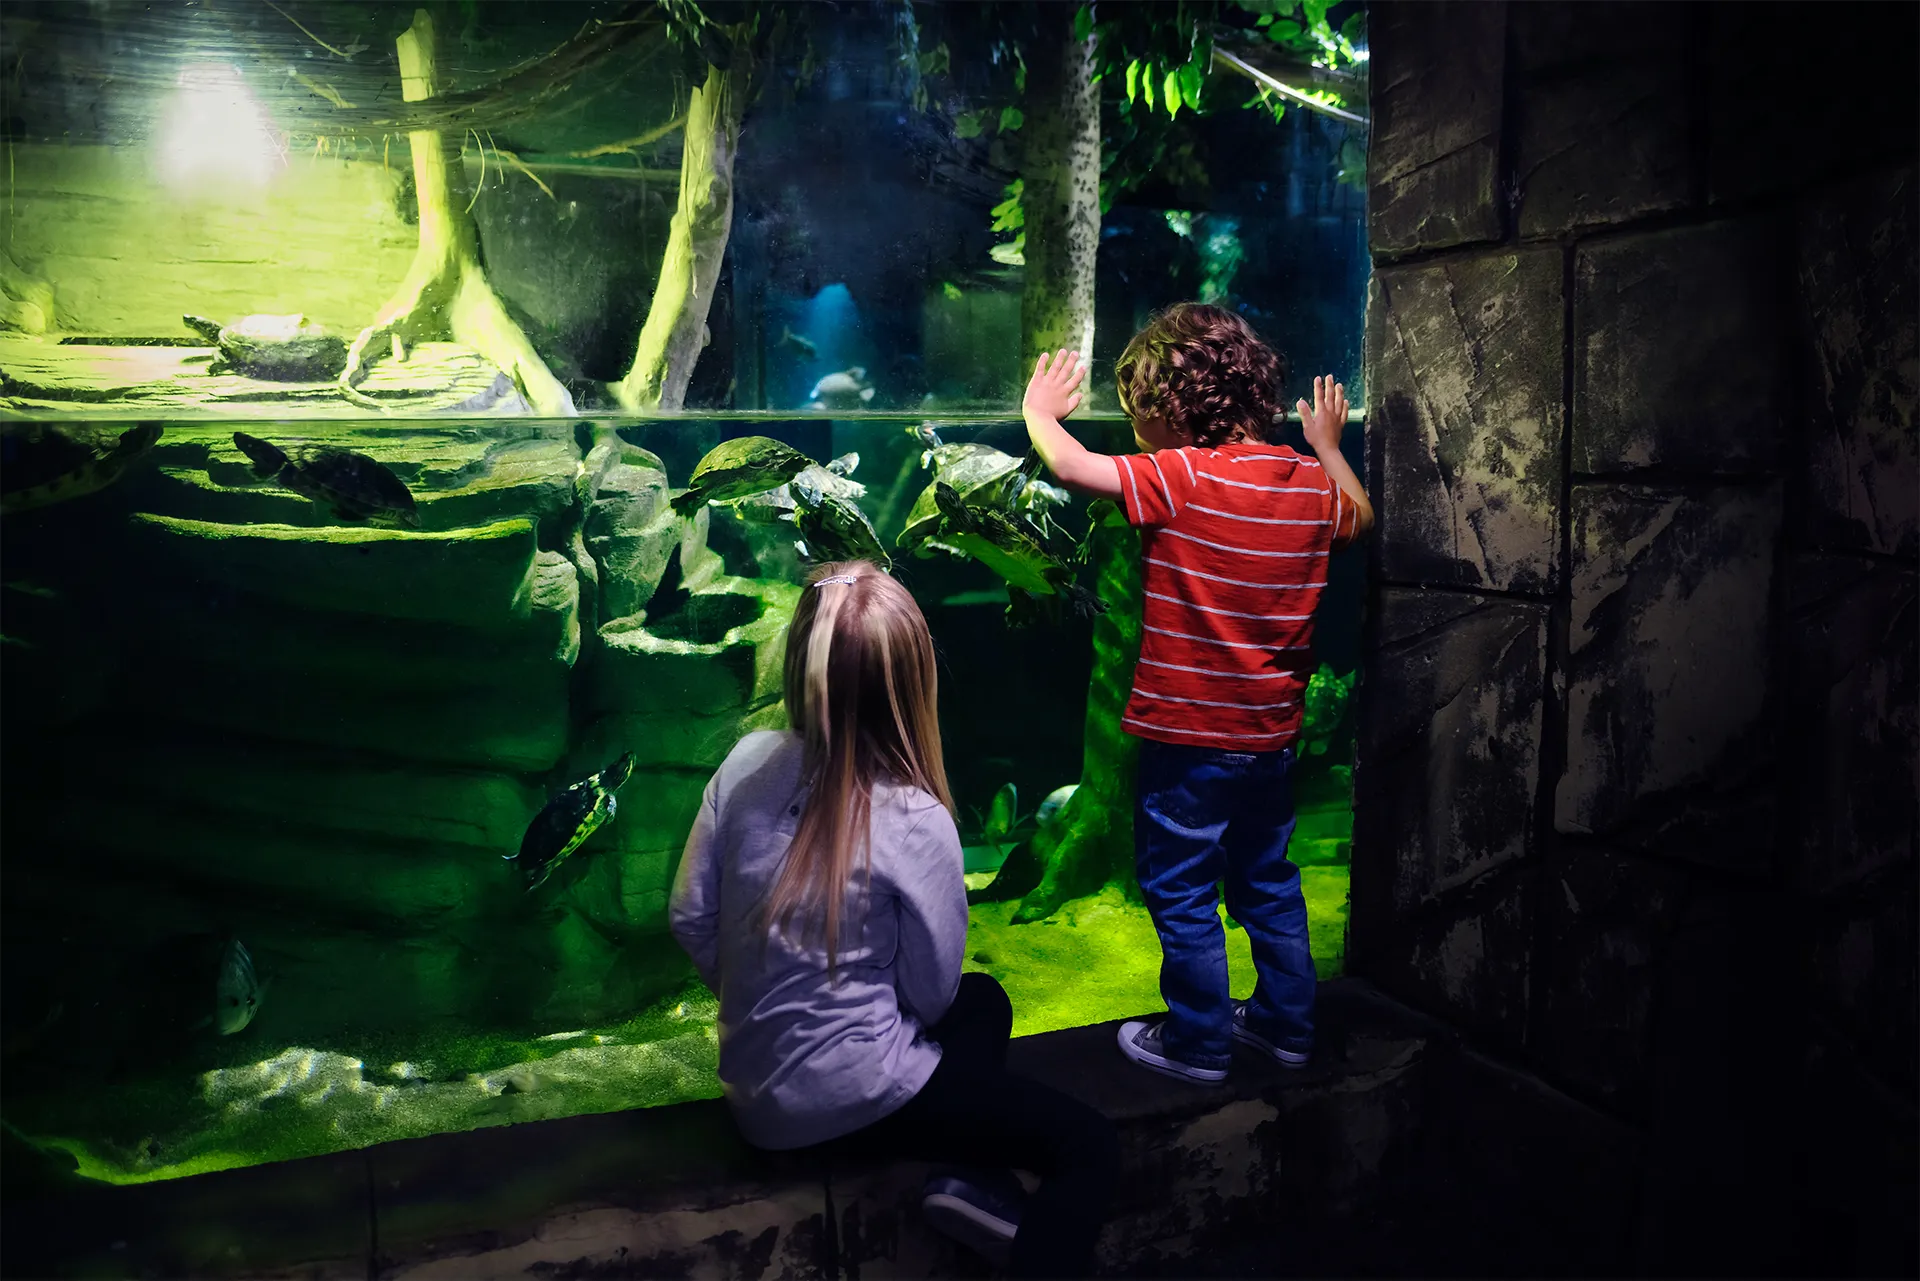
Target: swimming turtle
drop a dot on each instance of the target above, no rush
(41, 464)
(352, 486)
(1012, 549)
(277, 348)
(777, 504)
(574, 814)
(738, 468)
(834, 528)
(983, 477)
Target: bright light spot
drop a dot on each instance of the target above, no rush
(212, 132)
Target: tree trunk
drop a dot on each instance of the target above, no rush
(446, 294)
(1090, 843)
(1060, 181)
(676, 328)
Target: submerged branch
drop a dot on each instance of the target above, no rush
(1269, 80)
(627, 145)
(519, 95)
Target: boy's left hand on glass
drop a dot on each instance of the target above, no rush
(1054, 390)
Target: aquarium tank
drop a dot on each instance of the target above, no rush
(416, 421)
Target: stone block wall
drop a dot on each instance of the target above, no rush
(1637, 789)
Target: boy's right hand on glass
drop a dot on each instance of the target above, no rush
(1054, 390)
(1326, 419)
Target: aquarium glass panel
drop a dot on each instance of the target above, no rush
(416, 423)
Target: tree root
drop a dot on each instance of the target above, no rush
(446, 294)
(1089, 844)
(675, 331)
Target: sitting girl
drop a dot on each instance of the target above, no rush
(821, 897)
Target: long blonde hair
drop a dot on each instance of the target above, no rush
(862, 692)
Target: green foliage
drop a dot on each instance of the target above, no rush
(1154, 63)
(1010, 215)
(1217, 238)
(1329, 698)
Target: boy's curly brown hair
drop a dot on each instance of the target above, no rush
(1205, 371)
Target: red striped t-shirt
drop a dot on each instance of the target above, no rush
(1234, 547)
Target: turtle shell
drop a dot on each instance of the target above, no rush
(561, 828)
(968, 469)
(355, 486)
(1006, 546)
(282, 348)
(564, 824)
(738, 468)
(835, 529)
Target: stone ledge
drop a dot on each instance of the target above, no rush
(673, 1191)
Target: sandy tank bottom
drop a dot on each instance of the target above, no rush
(1096, 959)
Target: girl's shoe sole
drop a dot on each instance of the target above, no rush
(985, 1234)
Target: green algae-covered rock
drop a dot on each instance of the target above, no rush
(459, 477)
(475, 576)
(629, 530)
(311, 875)
(719, 658)
(329, 789)
(253, 638)
(517, 727)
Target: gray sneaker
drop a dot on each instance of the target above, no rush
(1140, 1041)
(1272, 1049)
(980, 1209)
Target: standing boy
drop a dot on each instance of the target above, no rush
(1235, 536)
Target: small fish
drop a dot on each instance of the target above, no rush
(798, 342)
(237, 992)
(1000, 825)
(1002, 814)
(357, 47)
(1055, 802)
(848, 384)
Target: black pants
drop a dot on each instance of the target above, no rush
(973, 1112)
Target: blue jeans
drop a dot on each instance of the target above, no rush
(1202, 815)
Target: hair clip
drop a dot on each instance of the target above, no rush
(848, 579)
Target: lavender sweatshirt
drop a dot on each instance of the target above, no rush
(804, 1059)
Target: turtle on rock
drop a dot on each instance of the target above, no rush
(574, 814)
(352, 486)
(287, 349)
(740, 468)
(41, 465)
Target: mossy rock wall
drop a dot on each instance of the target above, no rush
(329, 739)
